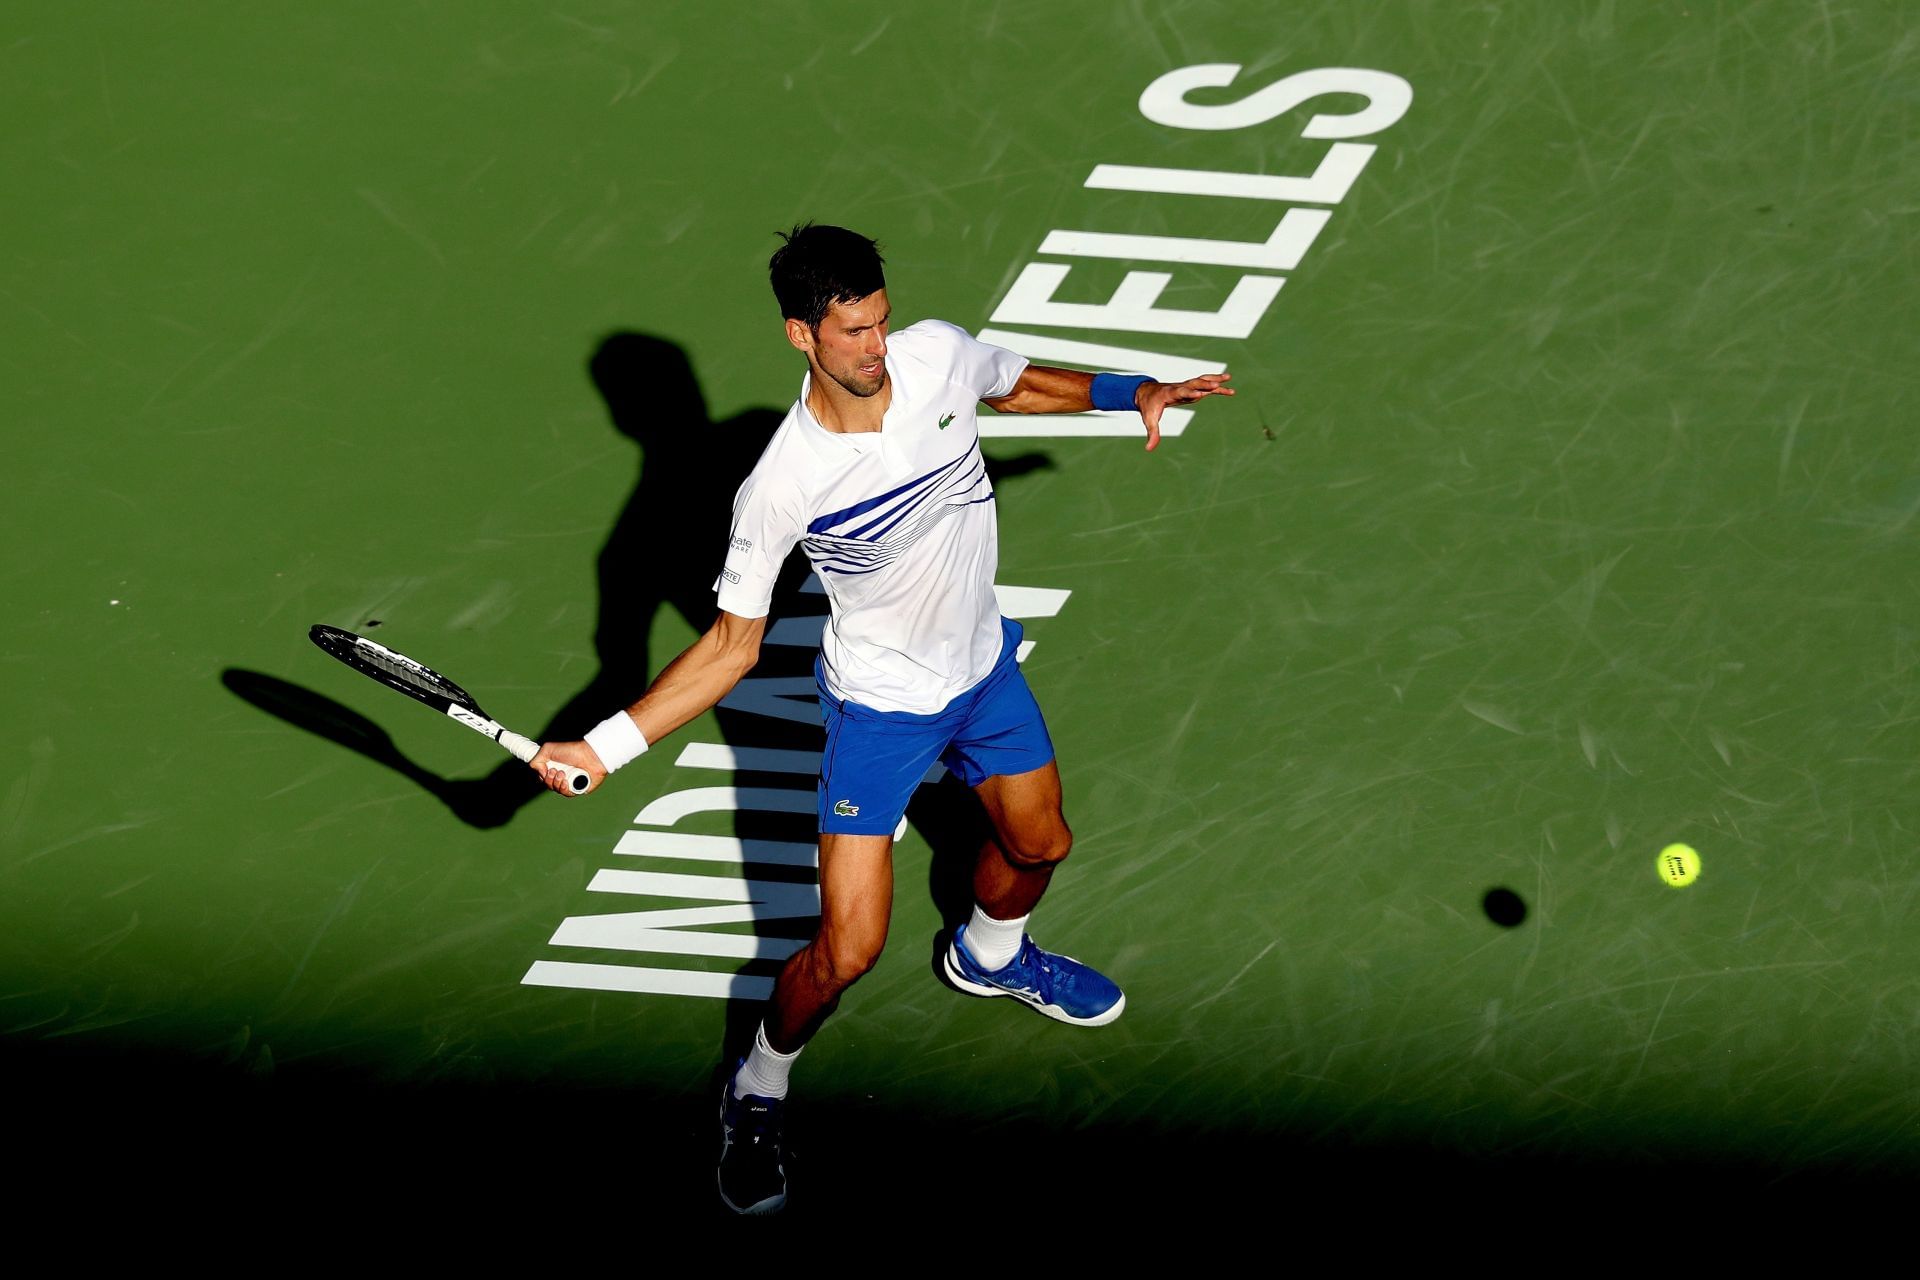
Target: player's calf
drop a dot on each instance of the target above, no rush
(816, 976)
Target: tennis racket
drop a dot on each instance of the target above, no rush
(424, 684)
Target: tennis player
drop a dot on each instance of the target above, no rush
(877, 473)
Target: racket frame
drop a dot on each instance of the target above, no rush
(443, 695)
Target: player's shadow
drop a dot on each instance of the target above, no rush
(662, 552)
(665, 547)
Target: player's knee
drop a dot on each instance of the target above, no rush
(850, 953)
(1043, 848)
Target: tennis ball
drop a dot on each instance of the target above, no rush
(1679, 865)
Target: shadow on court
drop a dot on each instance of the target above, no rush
(148, 1137)
(662, 552)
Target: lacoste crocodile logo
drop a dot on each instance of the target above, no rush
(846, 809)
(944, 421)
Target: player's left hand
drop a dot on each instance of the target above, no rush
(1154, 398)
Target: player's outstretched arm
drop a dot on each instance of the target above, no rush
(1044, 389)
(687, 689)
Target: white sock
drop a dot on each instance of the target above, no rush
(764, 1073)
(993, 943)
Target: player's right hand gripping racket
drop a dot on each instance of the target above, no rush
(398, 671)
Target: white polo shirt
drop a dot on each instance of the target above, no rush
(899, 524)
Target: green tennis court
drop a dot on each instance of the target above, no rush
(1566, 511)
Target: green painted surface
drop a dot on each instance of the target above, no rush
(1568, 509)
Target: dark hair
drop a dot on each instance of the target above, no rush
(819, 266)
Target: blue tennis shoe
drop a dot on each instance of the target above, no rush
(753, 1173)
(1058, 986)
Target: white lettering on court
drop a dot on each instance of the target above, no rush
(730, 897)
(1317, 181)
(1034, 299)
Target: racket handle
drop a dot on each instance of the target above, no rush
(525, 748)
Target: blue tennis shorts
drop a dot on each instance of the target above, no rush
(875, 759)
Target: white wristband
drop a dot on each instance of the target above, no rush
(617, 740)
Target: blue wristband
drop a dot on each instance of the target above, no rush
(1116, 390)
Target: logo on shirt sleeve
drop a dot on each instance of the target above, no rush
(944, 421)
(742, 545)
(847, 809)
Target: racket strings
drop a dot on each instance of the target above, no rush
(394, 669)
(410, 672)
